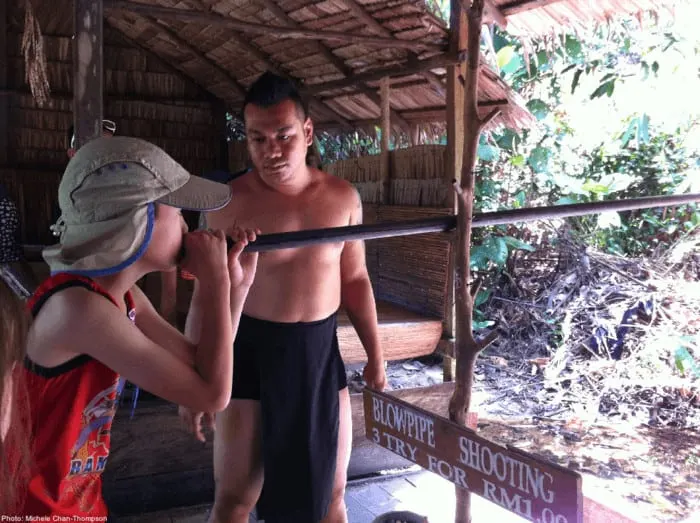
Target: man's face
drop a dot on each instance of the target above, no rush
(277, 139)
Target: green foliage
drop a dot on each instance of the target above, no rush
(633, 149)
(334, 147)
(685, 363)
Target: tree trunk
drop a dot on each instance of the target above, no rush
(466, 347)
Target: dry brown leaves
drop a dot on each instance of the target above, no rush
(610, 337)
(629, 425)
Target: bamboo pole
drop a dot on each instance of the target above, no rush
(454, 115)
(4, 103)
(87, 71)
(386, 137)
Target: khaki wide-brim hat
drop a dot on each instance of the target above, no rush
(107, 198)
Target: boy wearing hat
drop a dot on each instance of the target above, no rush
(93, 327)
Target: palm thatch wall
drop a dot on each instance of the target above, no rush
(145, 98)
(238, 158)
(411, 271)
(417, 176)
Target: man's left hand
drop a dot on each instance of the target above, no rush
(375, 375)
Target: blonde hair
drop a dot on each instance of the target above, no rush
(14, 447)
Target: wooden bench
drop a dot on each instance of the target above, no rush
(403, 334)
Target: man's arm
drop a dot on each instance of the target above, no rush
(356, 292)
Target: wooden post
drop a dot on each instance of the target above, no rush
(415, 134)
(219, 109)
(467, 348)
(455, 145)
(386, 135)
(4, 100)
(87, 70)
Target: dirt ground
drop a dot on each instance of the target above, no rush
(657, 469)
(596, 368)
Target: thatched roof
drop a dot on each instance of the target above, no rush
(224, 45)
(533, 18)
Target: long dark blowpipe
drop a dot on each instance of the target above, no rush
(288, 240)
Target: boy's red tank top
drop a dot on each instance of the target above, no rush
(72, 407)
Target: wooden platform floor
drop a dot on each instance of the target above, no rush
(156, 465)
(421, 492)
(403, 334)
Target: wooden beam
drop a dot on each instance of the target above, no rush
(415, 134)
(360, 12)
(443, 113)
(520, 6)
(214, 19)
(266, 59)
(114, 97)
(413, 116)
(494, 13)
(87, 70)
(374, 75)
(385, 188)
(4, 103)
(395, 86)
(338, 62)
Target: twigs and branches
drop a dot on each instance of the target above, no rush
(613, 339)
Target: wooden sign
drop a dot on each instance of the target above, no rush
(534, 489)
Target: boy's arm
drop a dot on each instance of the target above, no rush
(168, 296)
(193, 322)
(104, 333)
(159, 330)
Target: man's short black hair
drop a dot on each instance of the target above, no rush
(270, 89)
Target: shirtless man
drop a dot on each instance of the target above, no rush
(289, 420)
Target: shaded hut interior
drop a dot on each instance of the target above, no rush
(171, 78)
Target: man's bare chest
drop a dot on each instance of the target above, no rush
(275, 217)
